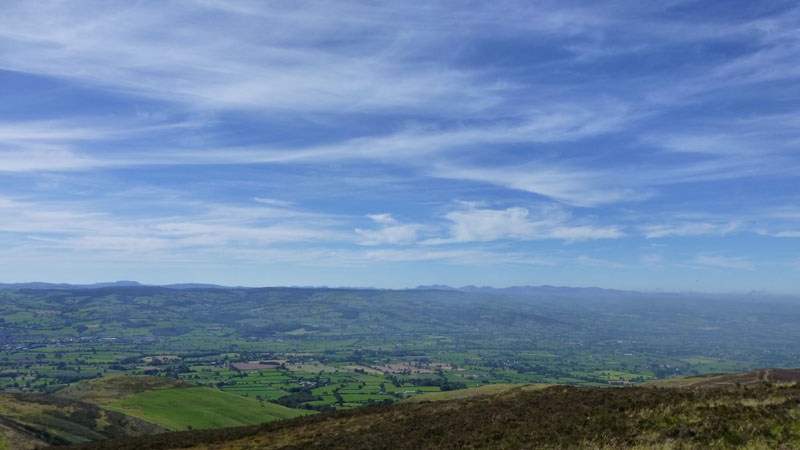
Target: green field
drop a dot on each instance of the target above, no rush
(199, 408)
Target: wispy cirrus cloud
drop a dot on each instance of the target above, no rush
(788, 233)
(742, 146)
(249, 56)
(724, 262)
(689, 229)
(555, 123)
(81, 144)
(479, 257)
(570, 185)
(273, 201)
(294, 67)
(78, 228)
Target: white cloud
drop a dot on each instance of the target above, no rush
(249, 56)
(273, 55)
(390, 231)
(272, 201)
(60, 145)
(788, 233)
(85, 130)
(77, 227)
(549, 222)
(383, 219)
(740, 263)
(34, 158)
(573, 186)
(81, 144)
(489, 225)
(573, 233)
(459, 257)
(689, 229)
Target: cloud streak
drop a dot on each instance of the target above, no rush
(483, 225)
(724, 262)
(689, 229)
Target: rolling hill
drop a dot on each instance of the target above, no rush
(107, 390)
(30, 421)
(123, 406)
(174, 404)
(759, 414)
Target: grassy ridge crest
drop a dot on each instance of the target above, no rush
(106, 390)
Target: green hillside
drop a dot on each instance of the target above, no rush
(175, 404)
(103, 391)
(758, 415)
(30, 421)
(120, 406)
(200, 407)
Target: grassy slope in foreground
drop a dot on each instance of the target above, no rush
(759, 415)
(200, 407)
(175, 404)
(30, 421)
(487, 389)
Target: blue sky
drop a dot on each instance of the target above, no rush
(625, 144)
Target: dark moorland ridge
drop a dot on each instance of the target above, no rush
(758, 409)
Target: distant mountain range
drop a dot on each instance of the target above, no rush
(530, 290)
(519, 291)
(512, 290)
(121, 283)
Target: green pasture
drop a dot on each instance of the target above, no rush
(199, 408)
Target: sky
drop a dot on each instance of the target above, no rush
(621, 144)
